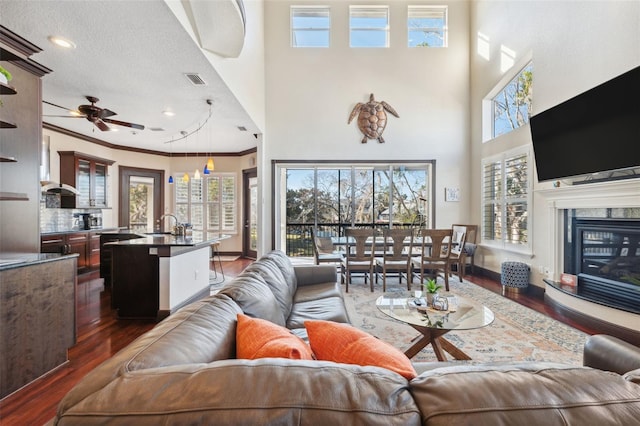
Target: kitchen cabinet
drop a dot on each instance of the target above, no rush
(93, 250)
(70, 243)
(89, 175)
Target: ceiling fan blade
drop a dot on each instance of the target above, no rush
(104, 113)
(66, 116)
(124, 123)
(100, 125)
(57, 106)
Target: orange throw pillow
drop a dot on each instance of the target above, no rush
(258, 338)
(337, 342)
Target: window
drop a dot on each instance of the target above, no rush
(427, 26)
(506, 200)
(310, 26)
(208, 203)
(511, 107)
(369, 26)
(329, 197)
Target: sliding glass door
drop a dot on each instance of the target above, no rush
(329, 197)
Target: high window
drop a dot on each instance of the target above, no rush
(369, 26)
(506, 200)
(427, 26)
(208, 203)
(310, 26)
(511, 106)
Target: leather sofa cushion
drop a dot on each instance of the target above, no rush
(286, 267)
(276, 281)
(252, 294)
(203, 331)
(251, 392)
(328, 309)
(312, 292)
(525, 393)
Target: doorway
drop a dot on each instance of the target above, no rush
(250, 219)
(141, 198)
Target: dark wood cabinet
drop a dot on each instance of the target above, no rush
(79, 243)
(89, 175)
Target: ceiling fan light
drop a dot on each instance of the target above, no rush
(210, 164)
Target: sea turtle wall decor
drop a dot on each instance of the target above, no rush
(372, 118)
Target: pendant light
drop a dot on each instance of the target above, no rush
(196, 174)
(170, 157)
(209, 167)
(185, 177)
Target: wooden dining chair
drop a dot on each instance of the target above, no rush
(323, 250)
(458, 239)
(359, 255)
(435, 249)
(395, 260)
(468, 254)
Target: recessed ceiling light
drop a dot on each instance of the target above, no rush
(168, 113)
(113, 129)
(62, 42)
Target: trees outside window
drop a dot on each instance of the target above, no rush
(512, 105)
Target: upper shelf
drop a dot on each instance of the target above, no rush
(7, 90)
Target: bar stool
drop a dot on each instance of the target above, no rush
(215, 252)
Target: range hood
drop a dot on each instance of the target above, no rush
(58, 188)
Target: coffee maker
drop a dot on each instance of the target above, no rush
(84, 220)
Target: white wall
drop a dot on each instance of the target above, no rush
(311, 92)
(175, 165)
(575, 45)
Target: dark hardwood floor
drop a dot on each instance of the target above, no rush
(101, 335)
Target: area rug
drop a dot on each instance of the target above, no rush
(517, 334)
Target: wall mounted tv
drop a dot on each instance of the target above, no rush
(596, 131)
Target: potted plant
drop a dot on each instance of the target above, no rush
(5, 76)
(431, 288)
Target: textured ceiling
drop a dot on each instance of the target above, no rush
(133, 56)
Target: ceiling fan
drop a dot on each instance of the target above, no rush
(95, 114)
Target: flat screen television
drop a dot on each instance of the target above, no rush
(595, 131)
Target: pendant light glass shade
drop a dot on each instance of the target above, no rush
(170, 178)
(196, 174)
(205, 170)
(210, 164)
(185, 177)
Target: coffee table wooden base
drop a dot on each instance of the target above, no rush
(439, 344)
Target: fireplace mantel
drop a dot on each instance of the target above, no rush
(612, 194)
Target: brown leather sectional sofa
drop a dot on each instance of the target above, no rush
(184, 371)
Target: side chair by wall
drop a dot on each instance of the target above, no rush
(468, 254)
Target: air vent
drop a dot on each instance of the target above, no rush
(242, 128)
(195, 79)
(156, 129)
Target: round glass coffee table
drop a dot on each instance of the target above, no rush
(433, 324)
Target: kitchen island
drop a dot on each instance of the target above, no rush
(155, 275)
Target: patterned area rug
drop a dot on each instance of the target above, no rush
(517, 334)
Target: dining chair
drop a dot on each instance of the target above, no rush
(359, 256)
(458, 238)
(396, 258)
(469, 249)
(323, 250)
(435, 249)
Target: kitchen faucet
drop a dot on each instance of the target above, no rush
(175, 228)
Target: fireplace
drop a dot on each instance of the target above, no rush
(614, 202)
(604, 253)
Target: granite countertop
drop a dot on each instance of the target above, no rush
(167, 240)
(10, 260)
(73, 230)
